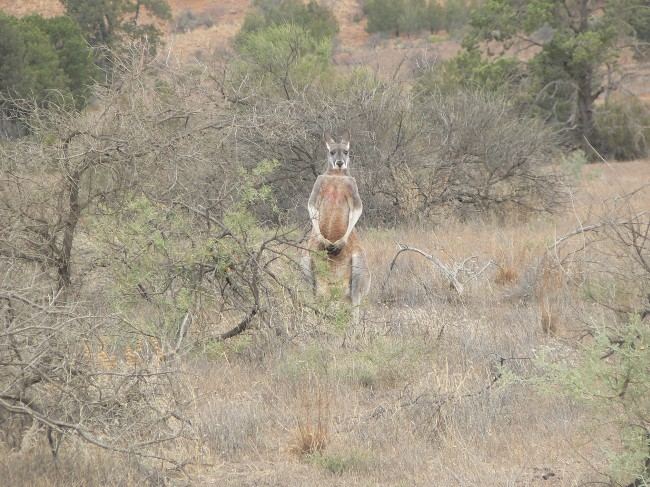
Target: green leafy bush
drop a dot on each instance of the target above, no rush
(623, 128)
(350, 460)
(407, 16)
(383, 15)
(35, 70)
(107, 22)
(469, 70)
(285, 45)
(284, 57)
(44, 59)
(573, 42)
(75, 57)
(318, 21)
(611, 378)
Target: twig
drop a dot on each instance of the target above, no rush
(451, 276)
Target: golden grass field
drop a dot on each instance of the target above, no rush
(410, 399)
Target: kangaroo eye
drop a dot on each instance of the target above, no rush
(332, 153)
(345, 152)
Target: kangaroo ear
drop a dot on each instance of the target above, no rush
(345, 140)
(329, 141)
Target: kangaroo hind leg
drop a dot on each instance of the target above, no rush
(307, 264)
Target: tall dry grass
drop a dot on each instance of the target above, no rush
(435, 388)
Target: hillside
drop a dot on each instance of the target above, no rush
(353, 46)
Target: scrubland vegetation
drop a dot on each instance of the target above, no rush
(155, 326)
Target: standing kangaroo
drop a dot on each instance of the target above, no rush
(334, 208)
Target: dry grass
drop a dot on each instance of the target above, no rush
(412, 399)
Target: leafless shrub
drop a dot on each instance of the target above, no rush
(119, 228)
(83, 375)
(606, 259)
(413, 157)
(492, 158)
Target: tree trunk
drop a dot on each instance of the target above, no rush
(70, 225)
(585, 110)
(585, 115)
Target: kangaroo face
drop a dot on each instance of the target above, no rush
(338, 154)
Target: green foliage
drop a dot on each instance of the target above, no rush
(218, 350)
(108, 22)
(623, 128)
(286, 45)
(407, 16)
(162, 254)
(382, 363)
(12, 53)
(151, 259)
(352, 460)
(316, 20)
(38, 64)
(285, 56)
(611, 377)
(565, 73)
(470, 70)
(640, 23)
(456, 14)
(44, 59)
(252, 192)
(384, 15)
(573, 162)
(75, 56)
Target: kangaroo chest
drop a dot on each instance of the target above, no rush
(334, 209)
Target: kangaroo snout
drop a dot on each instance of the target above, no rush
(339, 163)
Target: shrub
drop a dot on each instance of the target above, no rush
(37, 68)
(414, 157)
(607, 260)
(469, 70)
(285, 45)
(315, 19)
(42, 59)
(284, 57)
(107, 22)
(188, 21)
(492, 157)
(611, 378)
(623, 128)
(75, 57)
(93, 377)
(407, 16)
(350, 460)
(383, 15)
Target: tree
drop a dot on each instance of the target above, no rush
(106, 22)
(30, 67)
(12, 53)
(74, 53)
(585, 36)
(43, 60)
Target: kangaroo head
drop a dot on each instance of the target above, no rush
(338, 153)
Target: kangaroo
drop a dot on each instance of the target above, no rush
(334, 209)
